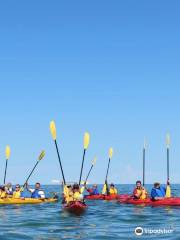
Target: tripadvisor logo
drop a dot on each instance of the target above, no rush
(138, 231)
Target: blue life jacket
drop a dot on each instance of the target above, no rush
(158, 192)
(36, 194)
(95, 192)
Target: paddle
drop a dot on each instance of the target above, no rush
(144, 160)
(41, 156)
(93, 163)
(110, 156)
(7, 153)
(86, 144)
(168, 188)
(53, 133)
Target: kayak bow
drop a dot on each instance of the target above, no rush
(75, 207)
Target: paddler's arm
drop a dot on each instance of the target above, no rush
(28, 188)
(85, 186)
(82, 189)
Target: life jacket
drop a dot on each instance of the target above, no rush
(65, 191)
(68, 197)
(36, 193)
(113, 191)
(77, 196)
(142, 193)
(3, 194)
(17, 194)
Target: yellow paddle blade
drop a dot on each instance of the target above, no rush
(42, 154)
(168, 191)
(86, 140)
(8, 152)
(168, 140)
(53, 129)
(104, 189)
(94, 161)
(110, 152)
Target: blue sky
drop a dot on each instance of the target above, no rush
(110, 68)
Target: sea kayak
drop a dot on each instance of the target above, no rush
(161, 202)
(27, 200)
(106, 197)
(75, 207)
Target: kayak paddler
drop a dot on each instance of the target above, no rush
(139, 191)
(109, 190)
(77, 193)
(112, 189)
(67, 194)
(9, 189)
(18, 193)
(158, 191)
(93, 190)
(3, 193)
(37, 192)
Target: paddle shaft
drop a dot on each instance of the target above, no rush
(60, 162)
(168, 164)
(82, 166)
(144, 160)
(5, 171)
(89, 173)
(107, 189)
(31, 173)
(107, 170)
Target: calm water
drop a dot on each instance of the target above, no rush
(103, 220)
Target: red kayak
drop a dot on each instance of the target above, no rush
(106, 197)
(76, 207)
(161, 202)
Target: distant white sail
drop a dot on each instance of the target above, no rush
(55, 181)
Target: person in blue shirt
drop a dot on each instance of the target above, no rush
(37, 192)
(93, 190)
(158, 192)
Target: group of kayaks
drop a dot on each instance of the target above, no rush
(80, 207)
(77, 206)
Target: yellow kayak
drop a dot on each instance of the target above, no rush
(27, 200)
